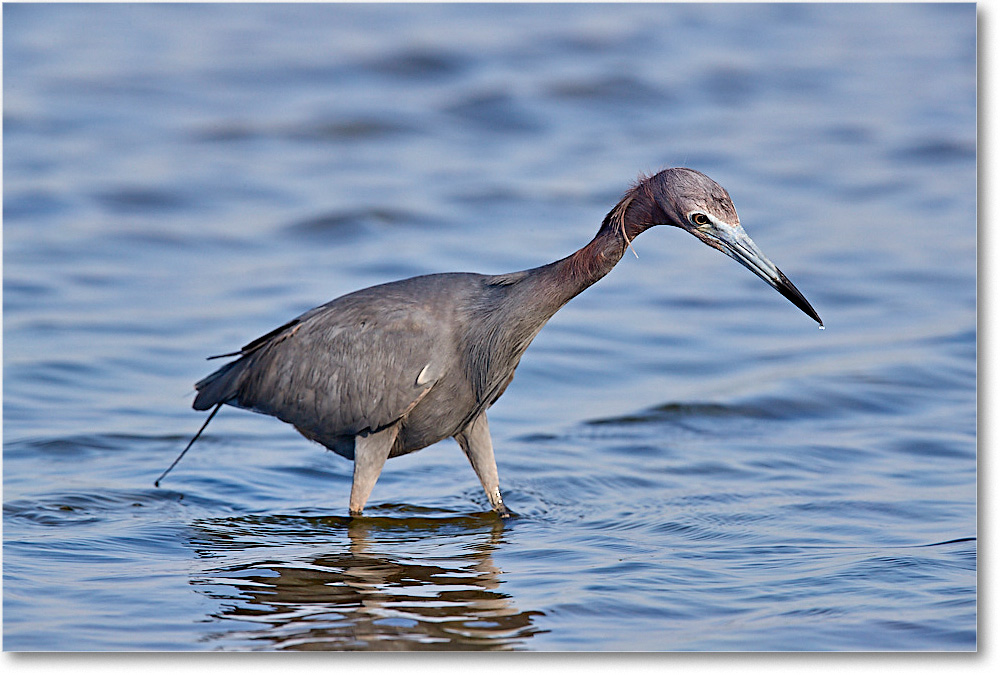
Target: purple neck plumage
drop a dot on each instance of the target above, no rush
(524, 301)
(634, 214)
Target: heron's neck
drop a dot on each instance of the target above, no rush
(524, 301)
(579, 271)
(561, 281)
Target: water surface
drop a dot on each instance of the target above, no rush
(695, 465)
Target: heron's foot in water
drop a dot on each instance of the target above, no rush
(502, 511)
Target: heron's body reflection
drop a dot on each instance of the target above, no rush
(357, 595)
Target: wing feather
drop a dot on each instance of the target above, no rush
(358, 363)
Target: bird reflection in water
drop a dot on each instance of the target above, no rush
(364, 597)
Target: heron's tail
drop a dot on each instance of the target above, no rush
(156, 483)
(219, 387)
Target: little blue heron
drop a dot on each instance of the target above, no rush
(391, 369)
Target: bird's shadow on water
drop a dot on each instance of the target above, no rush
(412, 580)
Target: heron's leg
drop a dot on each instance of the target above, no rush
(370, 453)
(477, 446)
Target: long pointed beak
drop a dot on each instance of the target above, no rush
(737, 244)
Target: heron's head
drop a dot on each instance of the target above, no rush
(692, 201)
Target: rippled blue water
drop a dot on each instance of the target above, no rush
(695, 465)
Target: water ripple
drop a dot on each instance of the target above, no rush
(689, 457)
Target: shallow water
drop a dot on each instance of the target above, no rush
(695, 466)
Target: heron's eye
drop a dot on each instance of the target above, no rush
(700, 219)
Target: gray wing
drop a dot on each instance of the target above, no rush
(358, 363)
